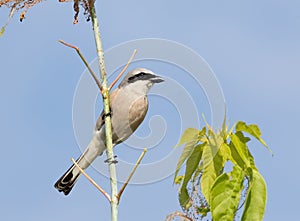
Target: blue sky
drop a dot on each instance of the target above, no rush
(253, 48)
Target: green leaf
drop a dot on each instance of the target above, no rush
(224, 125)
(197, 172)
(220, 152)
(202, 133)
(214, 157)
(178, 180)
(253, 130)
(191, 165)
(189, 135)
(193, 162)
(251, 159)
(203, 210)
(256, 198)
(242, 137)
(184, 197)
(226, 194)
(239, 151)
(190, 138)
(209, 174)
(219, 162)
(224, 129)
(225, 153)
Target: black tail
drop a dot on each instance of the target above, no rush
(68, 180)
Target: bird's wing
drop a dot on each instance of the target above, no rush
(137, 112)
(101, 119)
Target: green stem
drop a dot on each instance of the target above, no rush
(108, 128)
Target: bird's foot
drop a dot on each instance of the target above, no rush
(111, 160)
(106, 115)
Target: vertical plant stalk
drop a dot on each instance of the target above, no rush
(108, 127)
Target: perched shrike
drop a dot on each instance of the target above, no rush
(129, 105)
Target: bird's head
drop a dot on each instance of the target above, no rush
(140, 80)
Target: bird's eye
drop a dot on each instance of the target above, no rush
(141, 74)
(131, 78)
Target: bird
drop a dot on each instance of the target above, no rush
(128, 108)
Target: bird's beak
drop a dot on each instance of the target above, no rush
(157, 79)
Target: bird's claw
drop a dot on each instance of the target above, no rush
(111, 160)
(106, 115)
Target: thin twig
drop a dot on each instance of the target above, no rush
(245, 191)
(85, 62)
(176, 213)
(11, 13)
(124, 69)
(131, 174)
(92, 181)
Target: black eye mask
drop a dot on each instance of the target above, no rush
(141, 76)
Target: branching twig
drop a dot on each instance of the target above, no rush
(131, 174)
(85, 62)
(92, 181)
(124, 69)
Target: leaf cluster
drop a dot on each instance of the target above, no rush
(206, 153)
